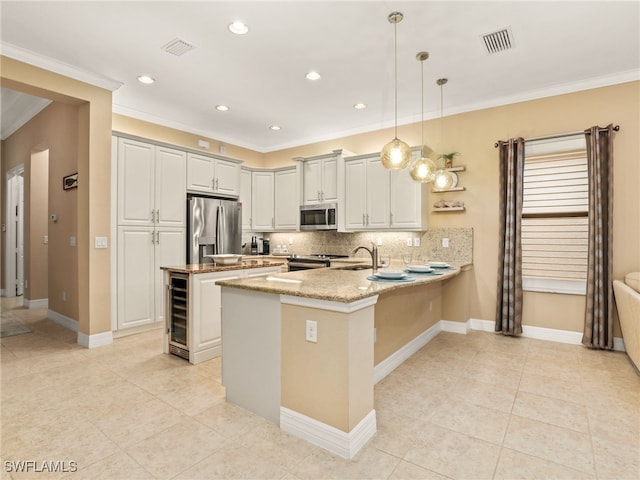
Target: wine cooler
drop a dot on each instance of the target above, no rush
(178, 314)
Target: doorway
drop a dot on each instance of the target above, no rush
(14, 280)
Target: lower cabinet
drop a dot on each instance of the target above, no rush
(140, 284)
(204, 319)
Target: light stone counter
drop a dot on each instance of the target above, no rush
(334, 284)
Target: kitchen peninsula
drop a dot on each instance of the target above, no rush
(304, 349)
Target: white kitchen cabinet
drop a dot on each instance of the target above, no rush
(141, 251)
(245, 197)
(366, 194)
(262, 206)
(151, 184)
(408, 202)
(286, 206)
(208, 174)
(380, 199)
(205, 314)
(320, 179)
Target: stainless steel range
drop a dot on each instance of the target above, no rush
(306, 262)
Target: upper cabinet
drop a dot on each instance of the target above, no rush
(151, 184)
(274, 200)
(245, 197)
(380, 199)
(320, 178)
(285, 201)
(213, 175)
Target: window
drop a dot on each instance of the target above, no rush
(555, 216)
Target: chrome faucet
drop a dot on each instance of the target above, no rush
(373, 251)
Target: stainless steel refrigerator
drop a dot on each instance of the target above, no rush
(214, 226)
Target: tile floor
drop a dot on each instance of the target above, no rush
(476, 406)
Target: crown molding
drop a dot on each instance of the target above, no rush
(47, 63)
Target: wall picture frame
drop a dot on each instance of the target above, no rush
(70, 181)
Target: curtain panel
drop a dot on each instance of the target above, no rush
(598, 322)
(509, 301)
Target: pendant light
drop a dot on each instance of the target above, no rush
(423, 169)
(443, 179)
(396, 154)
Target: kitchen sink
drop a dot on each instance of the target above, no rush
(355, 267)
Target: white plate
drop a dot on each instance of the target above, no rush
(391, 274)
(439, 264)
(420, 268)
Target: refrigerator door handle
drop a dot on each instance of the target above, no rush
(220, 230)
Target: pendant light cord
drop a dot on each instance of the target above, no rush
(395, 56)
(422, 102)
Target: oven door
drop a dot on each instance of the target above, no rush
(296, 264)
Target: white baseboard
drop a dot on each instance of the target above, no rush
(396, 359)
(96, 340)
(63, 320)
(454, 327)
(39, 303)
(343, 444)
(541, 333)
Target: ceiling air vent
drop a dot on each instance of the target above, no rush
(498, 41)
(177, 47)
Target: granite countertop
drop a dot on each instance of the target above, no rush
(211, 268)
(334, 284)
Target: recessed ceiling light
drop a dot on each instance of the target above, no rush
(238, 28)
(146, 79)
(275, 128)
(312, 75)
(360, 106)
(222, 108)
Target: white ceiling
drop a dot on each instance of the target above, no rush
(559, 47)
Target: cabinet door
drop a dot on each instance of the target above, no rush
(312, 182)
(171, 187)
(136, 292)
(355, 195)
(330, 180)
(405, 200)
(286, 207)
(245, 198)
(205, 311)
(200, 173)
(377, 194)
(227, 178)
(170, 250)
(135, 182)
(262, 207)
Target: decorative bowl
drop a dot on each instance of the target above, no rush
(225, 258)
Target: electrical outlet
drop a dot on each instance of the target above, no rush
(46, 239)
(379, 241)
(312, 331)
(445, 242)
(409, 242)
(290, 240)
(64, 296)
(430, 305)
(416, 242)
(72, 241)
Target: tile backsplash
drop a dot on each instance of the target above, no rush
(460, 249)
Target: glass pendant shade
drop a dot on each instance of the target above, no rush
(395, 155)
(423, 170)
(443, 179)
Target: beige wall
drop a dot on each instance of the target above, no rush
(47, 145)
(93, 153)
(314, 379)
(161, 133)
(403, 314)
(473, 134)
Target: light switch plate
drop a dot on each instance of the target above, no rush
(409, 242)
(416, 242)
(311, 331)
(445, 242)
(72, 241)
(101, 242)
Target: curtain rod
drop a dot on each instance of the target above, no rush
(561, 135)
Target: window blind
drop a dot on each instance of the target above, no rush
(555, 216)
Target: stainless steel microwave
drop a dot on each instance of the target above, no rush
(319, 217)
